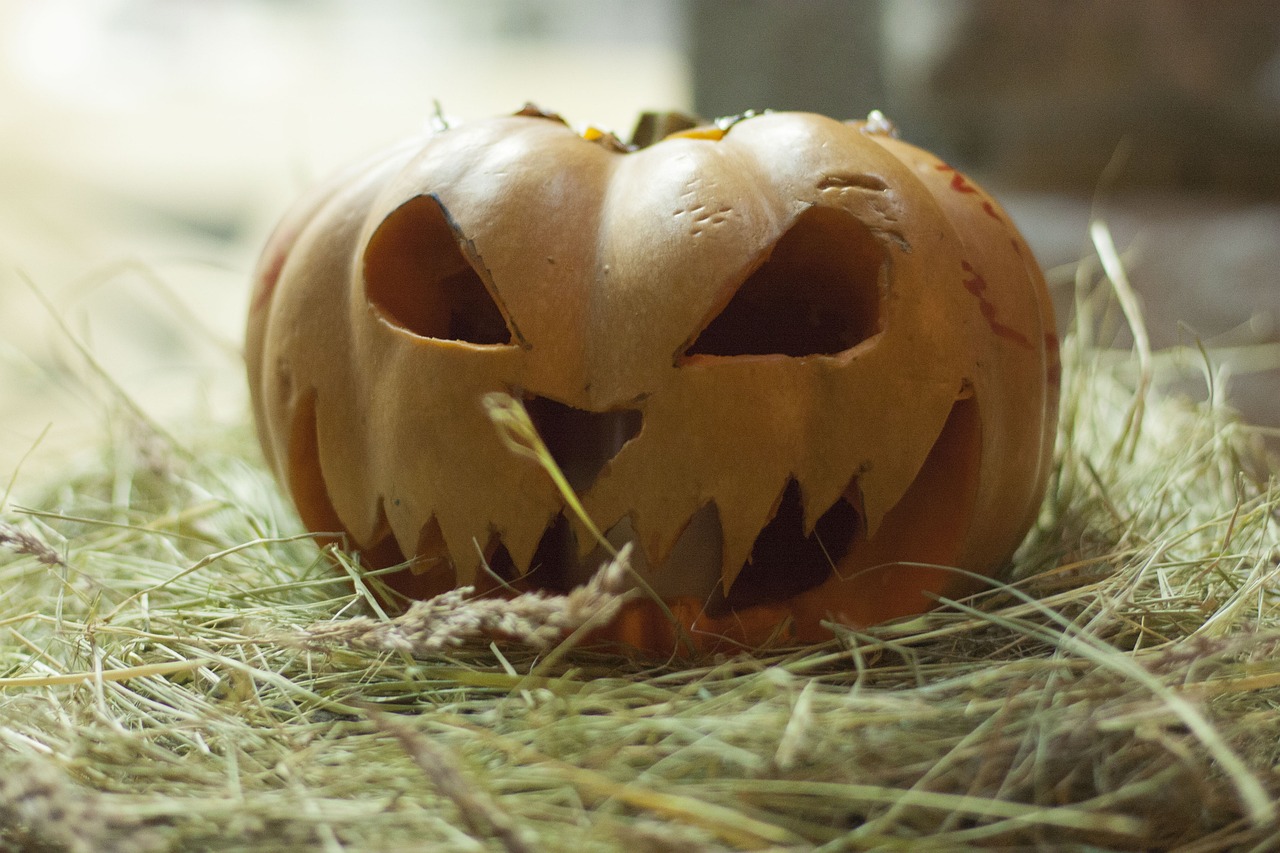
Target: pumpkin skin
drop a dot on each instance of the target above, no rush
(805, 366)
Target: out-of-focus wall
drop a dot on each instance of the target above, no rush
(1044, 92)
(1038, 93)
(824, 56)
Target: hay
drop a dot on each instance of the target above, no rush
(181, 668)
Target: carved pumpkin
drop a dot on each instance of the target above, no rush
(804, 365)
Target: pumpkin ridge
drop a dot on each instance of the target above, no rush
(303, 470)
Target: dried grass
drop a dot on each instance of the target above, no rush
(181, 668)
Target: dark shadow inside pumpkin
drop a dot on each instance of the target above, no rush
(817, 293)
(422, 276)
(580, 441)
(784, 561)
(550, 568)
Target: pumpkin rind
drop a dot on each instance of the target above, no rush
(933, 431)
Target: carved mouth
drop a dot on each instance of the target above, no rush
(783, 563)
(785, 559)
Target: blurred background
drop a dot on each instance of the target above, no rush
(147, 147)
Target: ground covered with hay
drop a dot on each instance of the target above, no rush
(182, 669)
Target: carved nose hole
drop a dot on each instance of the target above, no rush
(582, 442)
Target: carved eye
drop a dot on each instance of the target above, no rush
(817, 293)
(422, 276)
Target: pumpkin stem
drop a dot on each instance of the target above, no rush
(655, 126)
(532, 110)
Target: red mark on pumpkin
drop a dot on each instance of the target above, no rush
(977, 286)
(1054, 366)
(271, 272)
(267, 282)
(961, 184)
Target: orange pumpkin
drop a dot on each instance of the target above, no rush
(807, 367)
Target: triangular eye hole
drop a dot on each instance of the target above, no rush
(419, 278)
(818, 293)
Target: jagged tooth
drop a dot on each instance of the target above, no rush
(465, 540)
(406, 534)
(658, 516)
(605, 504)
(873, 502)
(742, 517)
(522, 540)
(884, 481)
(732, 564)
(819, 492)
(585, 539)
(380, 528)
(658, 537)
(853, 494)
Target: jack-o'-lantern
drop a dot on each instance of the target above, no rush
(807, 368)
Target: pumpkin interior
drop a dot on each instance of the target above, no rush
(784, 560)
(581, 442)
